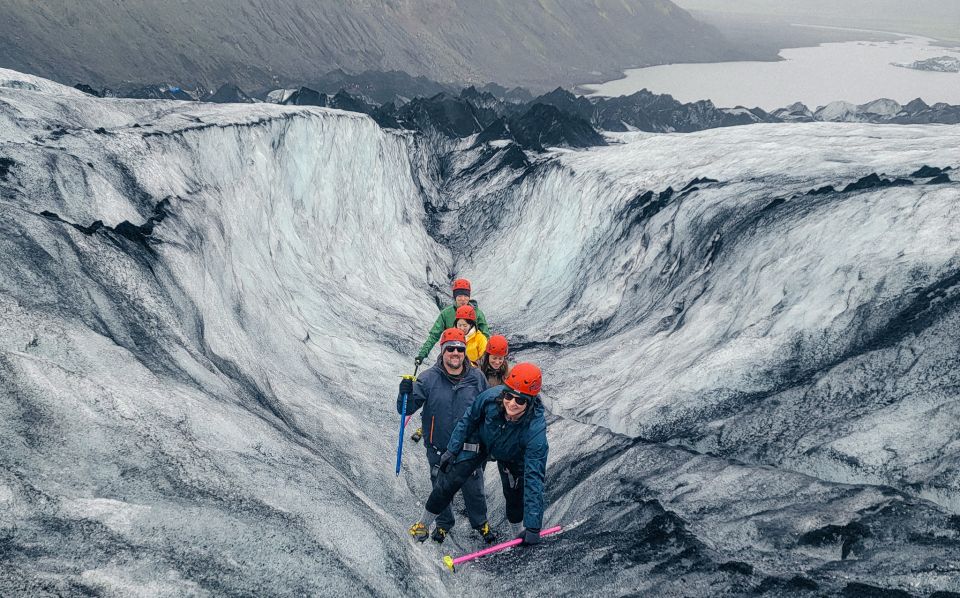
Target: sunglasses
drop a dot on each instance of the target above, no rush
(519, 399)
(456, 350)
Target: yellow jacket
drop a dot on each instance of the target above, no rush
(476, 345)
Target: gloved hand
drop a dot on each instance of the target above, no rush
(529, 537)
(406, 386)
(446, 460)
(417, 360)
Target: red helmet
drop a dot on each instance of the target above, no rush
(524, 378)
(452, 334)
(466, 312)
(497, 345)
(461, 286)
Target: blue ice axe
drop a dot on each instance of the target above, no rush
(403, 419)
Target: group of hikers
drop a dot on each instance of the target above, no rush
(477, 407)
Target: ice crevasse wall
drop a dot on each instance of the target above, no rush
(737, 292)
(234, 366)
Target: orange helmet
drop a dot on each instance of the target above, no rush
(524, 378)
(461, 286)
(452, 335)
(497, 345)
(466, 312)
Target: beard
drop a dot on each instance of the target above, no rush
(454, 361)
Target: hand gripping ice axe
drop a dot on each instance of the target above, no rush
(451, 562)
(404, 419)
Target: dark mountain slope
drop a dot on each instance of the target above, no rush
(257, 43)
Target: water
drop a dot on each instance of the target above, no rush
(856, 72)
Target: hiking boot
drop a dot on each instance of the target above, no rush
(419, 531)
(439, 535)
(417, 435)
(488, 536)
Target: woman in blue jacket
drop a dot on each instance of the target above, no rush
(504, 424)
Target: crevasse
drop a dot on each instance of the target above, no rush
(207, 406)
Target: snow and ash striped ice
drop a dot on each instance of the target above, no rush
(751, 387)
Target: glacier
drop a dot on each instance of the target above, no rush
(749, 347)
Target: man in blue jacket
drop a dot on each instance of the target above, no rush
(446, 391)
(504, 424)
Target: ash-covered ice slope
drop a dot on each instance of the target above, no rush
(205, 309)
(204, 408)
(796, 306)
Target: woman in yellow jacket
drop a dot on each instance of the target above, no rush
(466, 321)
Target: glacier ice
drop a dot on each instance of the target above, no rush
(752, 386)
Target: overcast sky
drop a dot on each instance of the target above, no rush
(845, 10)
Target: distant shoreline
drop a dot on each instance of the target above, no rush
(855, 72)
(771, 38)
(896, 34)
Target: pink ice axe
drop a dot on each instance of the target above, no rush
(451, 562)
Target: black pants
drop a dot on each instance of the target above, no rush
(446, 485)
(471, 489)
(511, 477)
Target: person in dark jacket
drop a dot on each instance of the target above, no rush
(446, 391)
(448, 318)
(494, 364)
(504, 424)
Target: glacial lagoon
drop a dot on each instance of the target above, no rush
(856, 72)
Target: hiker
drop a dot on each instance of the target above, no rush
(447, 318)
(494, 364)
(504, 424)
(446, 391)
(466, 322)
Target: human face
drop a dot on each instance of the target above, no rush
(453, 360)
(511, 407)
(461, 300)
(496, 361)
(464, 326)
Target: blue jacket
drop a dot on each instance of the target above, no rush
(443, 401)
(523, 442)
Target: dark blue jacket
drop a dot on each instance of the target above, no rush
(523, 442)
(443, 401)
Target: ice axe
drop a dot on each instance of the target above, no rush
(451, 562)
(404, 419)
